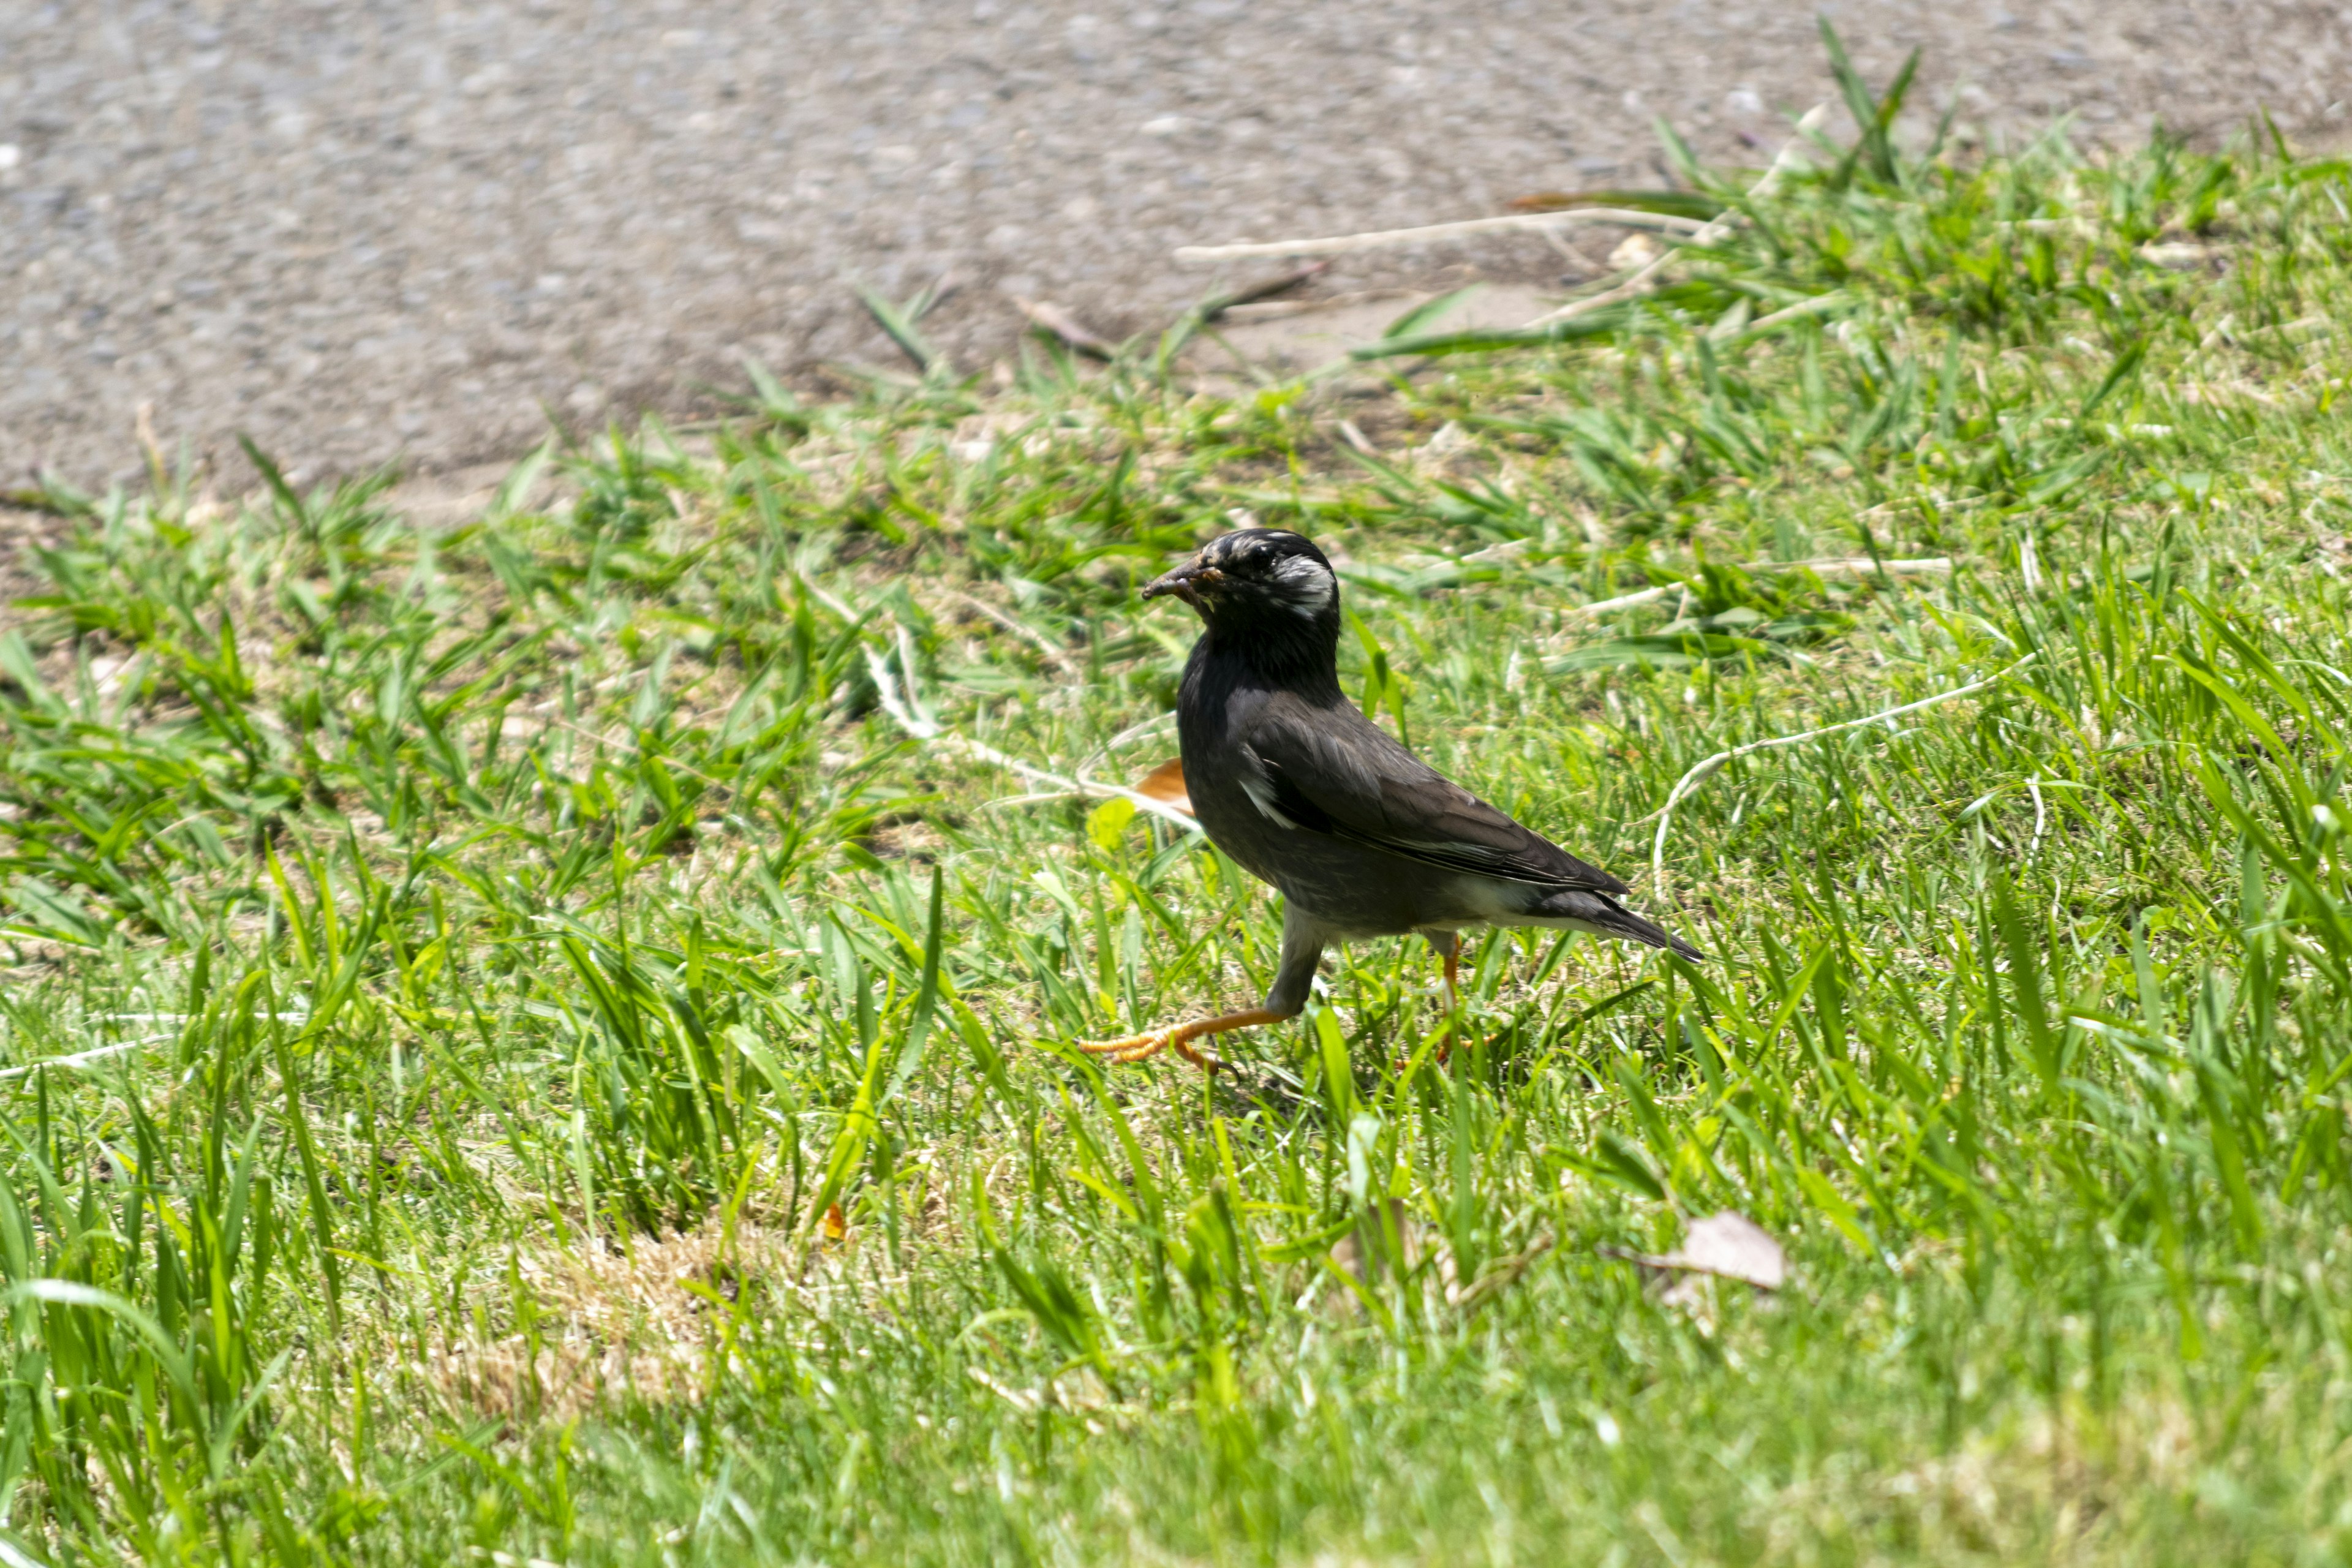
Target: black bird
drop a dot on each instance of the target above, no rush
(1292, 781)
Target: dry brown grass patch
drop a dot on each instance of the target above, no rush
(612, 1324)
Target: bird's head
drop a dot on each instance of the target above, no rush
(1263, 581)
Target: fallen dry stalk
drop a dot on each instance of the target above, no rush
(1381, 239)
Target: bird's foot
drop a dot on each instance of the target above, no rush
(1179, 1038)
(1144, 1046)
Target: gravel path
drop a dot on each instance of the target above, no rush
(366, 228)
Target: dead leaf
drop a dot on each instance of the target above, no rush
(1165, 783)
(1728, 1246)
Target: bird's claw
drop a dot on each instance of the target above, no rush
(1144, 1046)
(1180, 1037)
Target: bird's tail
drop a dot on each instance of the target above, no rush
(1597, 912)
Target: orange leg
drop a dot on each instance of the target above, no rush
(1180, 1037)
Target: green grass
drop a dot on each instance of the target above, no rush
(540, 1061)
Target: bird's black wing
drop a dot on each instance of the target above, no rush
(1331, 770)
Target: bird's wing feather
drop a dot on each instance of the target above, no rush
(1331, 770)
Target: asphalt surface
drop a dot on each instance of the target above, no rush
(368, 229)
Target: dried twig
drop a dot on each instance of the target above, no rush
(1380, 239)
(1707, 770)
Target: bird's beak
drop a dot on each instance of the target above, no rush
(1185, 583)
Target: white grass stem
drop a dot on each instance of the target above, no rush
(1705, 770)
(82, 1058)
(906, 713)
(1811, 307)
(1385, 238)
(1626, 601)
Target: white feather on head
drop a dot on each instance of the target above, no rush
(1306, 584)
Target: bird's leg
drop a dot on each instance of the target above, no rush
(1179, 1038)
(1302, 949)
